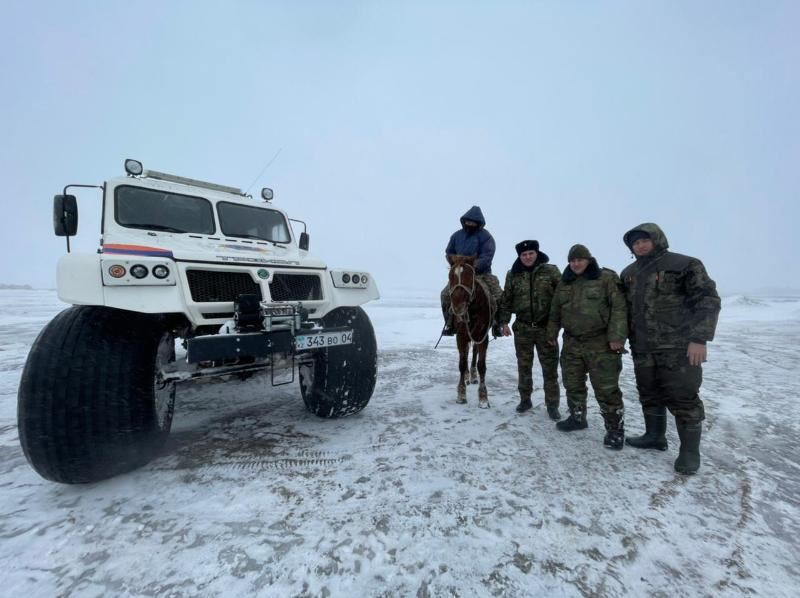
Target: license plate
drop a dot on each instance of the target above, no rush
(322, 340)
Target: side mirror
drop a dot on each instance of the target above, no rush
(65, 215)
(303, 243)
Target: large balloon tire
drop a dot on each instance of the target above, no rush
(339, 381)
(90, 405)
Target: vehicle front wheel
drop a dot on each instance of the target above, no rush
(339, 381)
(91, 402)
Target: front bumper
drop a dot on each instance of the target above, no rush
(256, 345)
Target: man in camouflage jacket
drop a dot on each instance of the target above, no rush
(673, 308)
(590, 306)
(527, 293)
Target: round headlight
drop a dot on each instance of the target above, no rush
(139, 271)
(116, 271)
(364, 279)
(356, 279)
(346, 278)
(160, 271)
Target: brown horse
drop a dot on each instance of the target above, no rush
(473, 312)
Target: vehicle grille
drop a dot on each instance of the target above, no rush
(295, 287)
(217, 315)
(215, 286)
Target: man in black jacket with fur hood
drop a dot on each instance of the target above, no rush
(673, 308)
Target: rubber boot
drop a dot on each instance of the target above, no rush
(688, 461)
(575, 421)
(615, 431)
(524, 405)
(655, 423)
(553, 412)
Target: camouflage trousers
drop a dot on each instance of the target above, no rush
(603, 368)
(528, 337)
(492, 283)
(666, 379)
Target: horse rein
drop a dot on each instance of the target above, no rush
(470, 292)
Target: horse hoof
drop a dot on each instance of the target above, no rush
(461, 401)
(484, 405)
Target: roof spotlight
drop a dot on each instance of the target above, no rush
(133, 167)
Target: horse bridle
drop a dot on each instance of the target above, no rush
(470, 290)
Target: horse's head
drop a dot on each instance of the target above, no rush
(461, 280)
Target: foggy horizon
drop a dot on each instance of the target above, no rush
(566, 123)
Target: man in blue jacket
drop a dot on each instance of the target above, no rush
(472, 239)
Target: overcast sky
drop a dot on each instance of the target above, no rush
(565, 121)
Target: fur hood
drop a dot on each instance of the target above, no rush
(592, 272)
(541, 258)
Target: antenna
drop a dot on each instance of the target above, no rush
(263, 170)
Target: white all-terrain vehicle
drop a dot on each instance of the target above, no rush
(201, 264)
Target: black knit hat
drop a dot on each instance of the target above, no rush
(523, 246)
(579, 251)
(635, 235)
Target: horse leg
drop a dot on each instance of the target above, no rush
(483, 395)
(467, 378)
(463, 350)
(473, 370)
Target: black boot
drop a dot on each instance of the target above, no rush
(655, 423)
(688, 461)
(615, 431)
(575, 421)
(553, 412)
(449, 329)
(524, 405)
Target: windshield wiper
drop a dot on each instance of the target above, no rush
(257, 238)
(162, 227)
(244, 236)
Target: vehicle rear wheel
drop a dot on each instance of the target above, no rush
(339, 381)
(91, 402)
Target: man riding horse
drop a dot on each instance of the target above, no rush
(472, 239)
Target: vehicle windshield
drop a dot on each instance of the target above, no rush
(135, 207)
(250, 222)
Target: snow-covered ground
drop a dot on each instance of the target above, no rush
(418, 496)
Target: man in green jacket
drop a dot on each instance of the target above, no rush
(527, 292)
(590, 306)
(673, 307)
